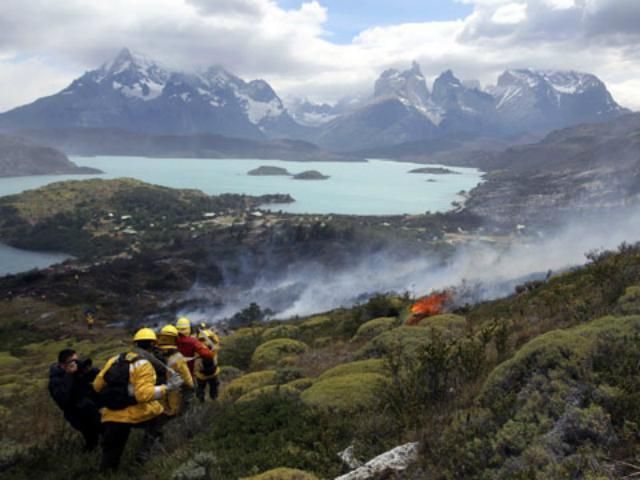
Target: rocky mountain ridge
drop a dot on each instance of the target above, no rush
(403, 110)
(134, 93)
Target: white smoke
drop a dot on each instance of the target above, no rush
(493, 268)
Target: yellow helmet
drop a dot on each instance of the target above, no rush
(183, 325)
(169, 330)
(145, 334)
(167, 337)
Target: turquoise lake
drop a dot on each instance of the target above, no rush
(376, 187)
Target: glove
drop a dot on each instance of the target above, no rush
(174, 383)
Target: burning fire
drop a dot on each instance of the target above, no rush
(428, 306)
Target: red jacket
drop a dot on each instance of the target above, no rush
(191, 348)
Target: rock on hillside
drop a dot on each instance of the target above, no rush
(20, 157)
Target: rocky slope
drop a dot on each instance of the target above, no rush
(19, 157)
(588, 168)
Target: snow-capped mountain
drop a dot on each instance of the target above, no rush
(402, 109)
(313, 114)
(551, 99)
(135, 93)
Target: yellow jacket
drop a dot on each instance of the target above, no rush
(142, 383)
(173, 400)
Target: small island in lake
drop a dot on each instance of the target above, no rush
(267, 170)
(434, 171)
(310, 175)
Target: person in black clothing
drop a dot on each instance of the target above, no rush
(70, 386)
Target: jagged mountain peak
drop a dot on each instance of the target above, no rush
(448, 77)
(408, 86)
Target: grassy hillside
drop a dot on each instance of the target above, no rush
(542, 384)
(105, 217)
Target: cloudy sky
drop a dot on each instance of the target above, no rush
(322, 49)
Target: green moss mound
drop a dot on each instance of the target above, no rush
(372, 365)
(274, 352)
(236, 349)
(246, 383)
(319, 326)
(346, 392)
(405, 339)
(445, 322)
(300, 384)
(268, 390)
(228, 373)
(373, 328)
(283, 474)
(280, 331)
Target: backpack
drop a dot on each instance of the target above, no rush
(208, 366)
(115, 394)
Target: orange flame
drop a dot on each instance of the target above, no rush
(428, 306)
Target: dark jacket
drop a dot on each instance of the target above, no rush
(73, 393)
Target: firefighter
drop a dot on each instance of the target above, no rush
(89, 316)
(128, 390)
(190, 347)
(176, 401)
(207, 370)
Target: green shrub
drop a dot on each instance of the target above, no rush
(268, 390)
(319, 326)
(629, 303)
(407, 339)
(272, 431)
(374, 327)
(447, 322)
(283, 474)
(300, 384)
(346, 392)
(244, 384)
(281, 331)
(236, 349)
(273, 352)
(372, 365)
(228, 373)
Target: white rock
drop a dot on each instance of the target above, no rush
(397, 459)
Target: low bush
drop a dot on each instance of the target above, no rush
(273, 352)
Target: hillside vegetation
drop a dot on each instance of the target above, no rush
(542, 384)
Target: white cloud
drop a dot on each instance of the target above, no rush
(44, 45)
(510, 14)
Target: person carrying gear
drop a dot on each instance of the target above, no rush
(70, 386)
(207, 370)
(131, 398)
(189, 346)
(209, 337)
(89, 316)
(177, 400)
